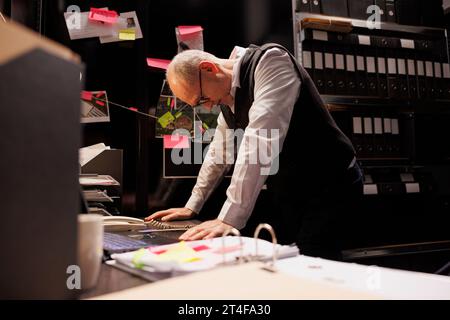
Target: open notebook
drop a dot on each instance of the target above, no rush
(179, 258)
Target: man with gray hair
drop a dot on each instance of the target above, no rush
(265, 89)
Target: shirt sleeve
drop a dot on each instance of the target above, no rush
(276, 90)
(215, 165)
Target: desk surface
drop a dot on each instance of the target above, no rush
(111, 280)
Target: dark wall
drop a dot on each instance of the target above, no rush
(120, 69)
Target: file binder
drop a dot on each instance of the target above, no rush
(387, 130)
(368, 137)
(379, 145)
(304, 5)
(391, 12)
(446, 80)
(382, 5)
(357, 9)
(394, 86)
(412, 75)
(357, 136)
(421, 79)
(335, 8)
(330, 87)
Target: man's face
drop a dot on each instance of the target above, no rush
(211, 88)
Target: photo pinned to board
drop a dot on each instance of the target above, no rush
(94, 107)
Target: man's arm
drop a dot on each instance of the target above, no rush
(213, 169)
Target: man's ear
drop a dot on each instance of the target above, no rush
(209, 66)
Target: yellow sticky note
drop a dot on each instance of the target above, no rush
(180, 253)
(165, 119)
(178, 114)
(127, 34)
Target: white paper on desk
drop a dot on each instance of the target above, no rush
(87, 28)
(126, 20)
(210, 256)
(86, 154)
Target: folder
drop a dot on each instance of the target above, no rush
(370, 59)
(396, 142)
(303, 5)
(330, 87)
(412, 76)
(387, 134)
(421, 79)
(357, 136)
(357, 9)
(381, 44)
(429, 74)
(438, 87)
(335, 8)
(382, 5)
(391, 12)
(315, 6)
(393, 79)
(369, 142)
(402, 78)
(379, 143)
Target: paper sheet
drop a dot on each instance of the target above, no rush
(126, 21)
(86, 154)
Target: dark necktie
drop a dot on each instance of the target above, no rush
(228, 116)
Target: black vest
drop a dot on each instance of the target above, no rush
(315, 151)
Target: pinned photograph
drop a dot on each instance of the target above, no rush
(94, 107)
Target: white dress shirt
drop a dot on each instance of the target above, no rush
(276, 90)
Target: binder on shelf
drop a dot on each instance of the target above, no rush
(411, 71)
(357, 9)
(402, 77)
(382, 5)
(379, 143)
(393, 80)
(361, 75)
(368, 137)
(429, 74)
(315, 6)
(303, 5)
(446, 80)
(357, 136)
(330, 87)
(391, 11)
(421, 79)
(370, 59)
(396, 141)
(335, 8)
(387, 135)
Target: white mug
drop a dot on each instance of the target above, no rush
(90, 248)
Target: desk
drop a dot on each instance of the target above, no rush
(111, 280)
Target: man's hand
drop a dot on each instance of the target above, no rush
(206, 230)
(172, 214)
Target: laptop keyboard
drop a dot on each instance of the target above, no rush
(115, 243)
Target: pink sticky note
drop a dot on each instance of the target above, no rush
(201, 248)
(158, 63)
(100, 103)
(103, 15)
(133, 109)
(98, 95)
(173, 141)
(186, 30)
(86, 95)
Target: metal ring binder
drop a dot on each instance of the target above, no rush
(235, 232)
(269, 228)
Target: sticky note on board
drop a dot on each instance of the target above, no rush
(158, 63)
(86, 95)
(165, 119)
(103, 15)
(178, 114)
(187, 30)
(175, 141)
(127, 34)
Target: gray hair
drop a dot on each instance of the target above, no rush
(185, 64)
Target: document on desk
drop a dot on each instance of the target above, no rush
(186, 257)
(86, 154)
(127, 21)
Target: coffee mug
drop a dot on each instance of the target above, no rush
(90, 248)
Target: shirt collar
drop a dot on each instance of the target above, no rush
(236, 54)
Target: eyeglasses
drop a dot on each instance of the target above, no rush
(202, 99)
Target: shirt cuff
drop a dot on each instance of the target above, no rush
(233, 215)
(195, 203)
